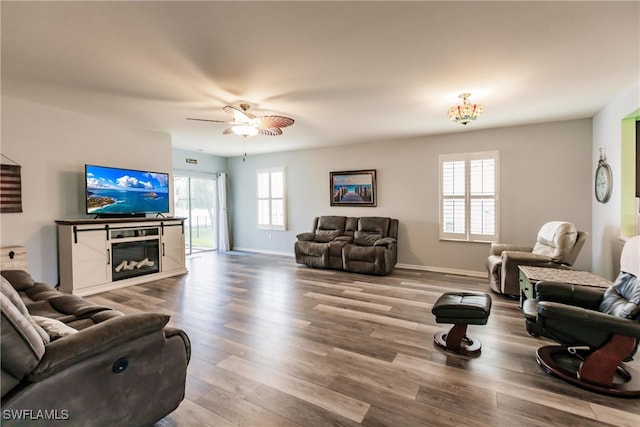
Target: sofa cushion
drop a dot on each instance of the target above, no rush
(335, 248)
(351, 226)
(374, 224)
(366, 238)
(54, 328)
(38, 292)
(622, 299)
(43, 300)
(22, 344)
(331, 223)
(556, 239)
(19, 279)
(328, 228)
(324, 236)
(10, 293)
(355, 254)
(94, 319)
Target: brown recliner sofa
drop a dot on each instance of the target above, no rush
(67, 361)
(366, 245)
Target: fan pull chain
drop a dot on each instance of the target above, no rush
(244, 142)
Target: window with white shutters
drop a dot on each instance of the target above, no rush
(271, 199)
(469, 196)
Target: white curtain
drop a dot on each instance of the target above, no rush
(223, 224)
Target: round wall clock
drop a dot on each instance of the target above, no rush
(603, 181)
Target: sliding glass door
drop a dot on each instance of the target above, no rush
(195, 199)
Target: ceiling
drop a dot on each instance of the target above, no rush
(347, 72)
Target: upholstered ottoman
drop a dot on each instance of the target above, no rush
(461, 309)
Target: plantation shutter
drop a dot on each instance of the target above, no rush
(271, 198)
(469, 196)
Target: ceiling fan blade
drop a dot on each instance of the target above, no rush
(270, 131)
(207, 120)
(239, 116)
(275, 122)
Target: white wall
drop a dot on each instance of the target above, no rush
(206, 163)
(545, 175)
(607, 126)
(52, 146)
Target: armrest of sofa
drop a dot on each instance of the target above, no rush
(306, 237)
(524, 258)
(347, 239)
(498, 248)
(67, 351)
(385, 241)
(170, 331)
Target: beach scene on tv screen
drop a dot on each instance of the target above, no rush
(126, 191)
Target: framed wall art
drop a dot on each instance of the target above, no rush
(353, 188)
(11, 185)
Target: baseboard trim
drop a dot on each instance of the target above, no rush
(459, 272)
(263, 251)
(444, 270)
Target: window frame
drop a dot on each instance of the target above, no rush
(270, 198)
(467, 197)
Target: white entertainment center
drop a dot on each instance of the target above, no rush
(98, 255)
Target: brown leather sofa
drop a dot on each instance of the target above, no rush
(67, 361)
(361, 245)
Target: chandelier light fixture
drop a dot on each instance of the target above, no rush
(465, 112)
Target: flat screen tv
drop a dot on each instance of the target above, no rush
(116, 192)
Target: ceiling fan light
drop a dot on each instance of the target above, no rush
(244, 130)
(465, 112)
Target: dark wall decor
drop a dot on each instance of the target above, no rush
(10, 188)
(353, 188)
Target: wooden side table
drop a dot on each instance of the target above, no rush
(529, 276)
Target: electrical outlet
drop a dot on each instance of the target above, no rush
(269, 236)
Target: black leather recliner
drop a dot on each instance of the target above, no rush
(598, 329)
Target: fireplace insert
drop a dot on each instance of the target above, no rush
(132, 259)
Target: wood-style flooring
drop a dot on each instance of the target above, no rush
(278, 344)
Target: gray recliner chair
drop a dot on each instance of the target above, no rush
(557, 245)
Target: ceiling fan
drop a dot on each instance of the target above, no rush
(246, 124)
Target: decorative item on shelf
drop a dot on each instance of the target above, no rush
(465, 112)
(13, 258)
(603, 180)
(11, 183)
